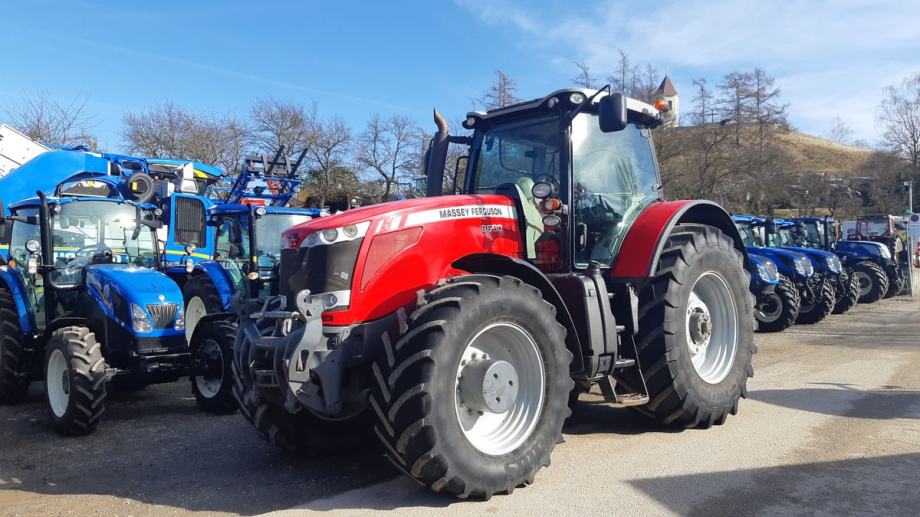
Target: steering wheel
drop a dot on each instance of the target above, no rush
(96, 253)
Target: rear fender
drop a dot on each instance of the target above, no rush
(645, 240)
(12, 280)
(501, 265)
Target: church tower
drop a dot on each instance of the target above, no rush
(667, 91)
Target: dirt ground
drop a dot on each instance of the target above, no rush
(831, 427)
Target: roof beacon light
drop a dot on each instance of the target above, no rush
(661, 105)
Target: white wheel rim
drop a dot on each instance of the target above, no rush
(212, 360)
(502, 360)
(711, 327)
(193, 313)
(865, 283)
(772, 300)
(57, 383)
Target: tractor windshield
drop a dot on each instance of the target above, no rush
(615, 178)
(749, 235)
(518, 154)
(87, 232)
(814, 234)
(268, 231)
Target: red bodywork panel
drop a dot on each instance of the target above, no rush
(639, 250)
(452, 227)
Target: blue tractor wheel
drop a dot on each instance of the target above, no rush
(74, 381)
(779, 309)
(14, 375)
(873, 282)
(848, 294)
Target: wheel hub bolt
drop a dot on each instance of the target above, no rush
(489, 385)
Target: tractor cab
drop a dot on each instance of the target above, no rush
(579, 164)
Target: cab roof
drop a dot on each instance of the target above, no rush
(34, 202)
(635, 106)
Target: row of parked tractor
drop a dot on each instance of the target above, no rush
(122, 271)
(802, 271)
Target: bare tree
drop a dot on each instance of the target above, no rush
(899, 118)
(501, 93)
(389, 148)
(584, 79)
(647, 83)
(840, 132)
(623, 78)
(277, 123)
(328, 148)
(44, 119)
(169, 131)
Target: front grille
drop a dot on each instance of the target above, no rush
(321, 269)
(164, 314)
(190, 222)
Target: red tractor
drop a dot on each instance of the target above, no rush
(461, 328)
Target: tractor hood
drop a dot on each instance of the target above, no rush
(862, 249)
(822, 260)
(784, 259)
(135, 284)
(405, 213)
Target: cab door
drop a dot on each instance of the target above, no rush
(188, 226)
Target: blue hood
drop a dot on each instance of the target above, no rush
(819, 258)
(134, 284)
(783, 258)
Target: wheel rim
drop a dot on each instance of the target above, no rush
(711, 327)
(57, 383)
(500, 388)
(212, 362)
(771, 309)
(865, 283)
(193, 313)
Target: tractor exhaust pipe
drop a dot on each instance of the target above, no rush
(436, 157)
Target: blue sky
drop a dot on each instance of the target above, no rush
(830, 58)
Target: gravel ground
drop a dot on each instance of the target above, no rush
(831, 427)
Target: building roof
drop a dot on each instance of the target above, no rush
(666, 88)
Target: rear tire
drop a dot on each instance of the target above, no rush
(201, 299)
(429, 382)
(895, 286)
(212, 349)
(850, 295)
(821, 306)
(781, 307)
(14, 375)
(74, 381)
(873, 281)
(679, 393)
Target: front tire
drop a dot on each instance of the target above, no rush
(873, 281)
(820, 306)
(14, 375)
(439, 387)
(201, 299)
(850, 294)
(696, 329)
(212, 352)
(780, 308)
(74, 381)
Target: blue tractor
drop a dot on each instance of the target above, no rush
(793, 235)
(236, 255)
(888, 231)
(778, 309)
(82, 303)
(871, 262)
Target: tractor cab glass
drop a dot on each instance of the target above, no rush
(231, 247)
(93, 232)
(615, 178)
(751, 235)
(814, 234)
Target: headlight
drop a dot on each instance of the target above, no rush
(334, 235)
(767, 272)
(833, 264)
(140, 319)
(180, 318)
(886, 253)
(806, 264)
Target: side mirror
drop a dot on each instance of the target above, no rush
(611, 113)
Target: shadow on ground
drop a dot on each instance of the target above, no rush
(884, 485)
(155, 447)
(850, 401)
